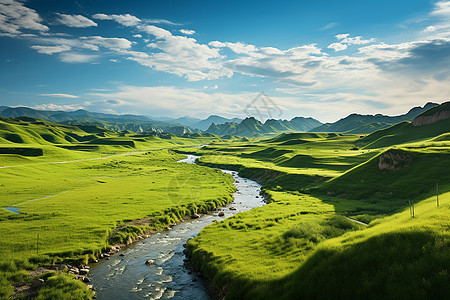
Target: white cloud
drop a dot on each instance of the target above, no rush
(166, 101)
(56, 107)
(156, 31)
(51, 49)
(126, 20)
(59, 95)
(137, 35)
(442, 8)
(73, 43)
(345, 39)
(14, 17)
(187, 31)
(441, 19)
(329, 26)
(77, 21)
(70, 57)
(111, 43)
(162, 21)
(337, 47)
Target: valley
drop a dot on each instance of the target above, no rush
(339, 218)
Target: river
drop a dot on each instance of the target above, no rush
(128, 277)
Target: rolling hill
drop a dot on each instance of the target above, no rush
(431, 123)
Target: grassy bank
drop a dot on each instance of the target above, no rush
(88, 191)
(303, 244)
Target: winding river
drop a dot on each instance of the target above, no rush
(126, 276)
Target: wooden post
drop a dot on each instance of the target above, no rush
(437, 194)
(411, 208)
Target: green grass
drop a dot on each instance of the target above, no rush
(403, 133)
(91, 188)
(301, 245)
(87, 199)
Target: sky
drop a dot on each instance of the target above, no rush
(324, 59)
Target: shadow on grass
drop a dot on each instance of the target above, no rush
(400, 265)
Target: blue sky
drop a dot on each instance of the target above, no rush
(324, 59)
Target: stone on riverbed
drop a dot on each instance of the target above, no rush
(84, 271)
(149, 262)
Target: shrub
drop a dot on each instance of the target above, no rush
(64, 287)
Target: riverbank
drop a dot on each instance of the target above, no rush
(302, 245)
(110, 195)
(168, 271)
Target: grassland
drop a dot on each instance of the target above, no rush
(305, 244)
(89, 189)
(338, 223)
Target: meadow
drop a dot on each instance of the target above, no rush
(74, 202)
(339, 222)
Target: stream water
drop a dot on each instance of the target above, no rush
(126, 276)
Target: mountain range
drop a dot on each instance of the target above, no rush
(249, 127)
(203, 124)
(253, 127)
(363, 124)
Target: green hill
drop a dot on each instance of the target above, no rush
(402, 133)
(356, 123)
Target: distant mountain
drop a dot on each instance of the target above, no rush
(252, 127)
(133, 123)
(204, 124)
(356, 123)
(2, 108)
(186, 120)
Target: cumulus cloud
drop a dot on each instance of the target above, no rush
(126, 20)
(187, 31)
(51, 49)
(179, 55)
(337, 47)
(59, 95)
(158, 32)
(77, 21)
(357, 40)
(70, 57)
(345, 40)
(14, 17)
(112, 43)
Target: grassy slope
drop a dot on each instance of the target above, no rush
(91, 199)
(402, 133)
(299, 246)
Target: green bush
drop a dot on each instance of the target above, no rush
(64, 287)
